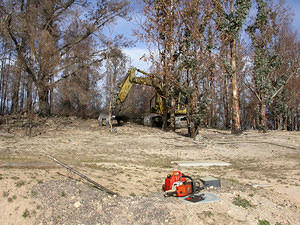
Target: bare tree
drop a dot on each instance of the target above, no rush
(230, 20)
(37, 29)
(275, 61)
(160, 30)
(195, 47)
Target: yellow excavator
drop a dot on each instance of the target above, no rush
(154, 117)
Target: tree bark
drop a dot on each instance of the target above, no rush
(172, 114)
(262, 117)
(236, 124)
(212, 105)
(297, 120)
(3, 84)
(51, 80)
(294, 116)
(44, 106)
(165, 114)
(16, 89)
(192, 125)
(4, 97)
(226, 105)
(29, 95)
(279, 122)
(189, 121)
(22, 96)
(111, 96)
(285, 125)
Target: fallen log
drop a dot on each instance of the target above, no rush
(98, 186)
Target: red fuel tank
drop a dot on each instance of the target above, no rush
(172, 178)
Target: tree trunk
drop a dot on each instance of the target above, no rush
(257, 117)
(165, 114)
(29, 95)
(5, 95)
(262, 122)
(23, 90)
(192, 125)
(4, 99)
(172, 114)
(297, 120)
(111, 98)
(285, 121)
(294, 117)
(16, 89)
(253, 123)
(44, 106)
(5, 70)
(212, 105)
(189, 122)
(51, 80)
(236, 124)
(279, 127)
(3, 84)
(226, 105)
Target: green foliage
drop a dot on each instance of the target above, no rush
(132, 194)
(33, 193)
(230, 23)
(263, 222)
(241, 202)
(200, 110)
(279, 104)
(20, 183)
(26, 213)
(208, 214)
(228, 69)
(263, 33)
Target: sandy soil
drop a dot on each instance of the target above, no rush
(134, 162)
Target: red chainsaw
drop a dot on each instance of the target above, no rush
(179, 185)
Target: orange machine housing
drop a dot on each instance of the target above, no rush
(175, 176)
(184, 190)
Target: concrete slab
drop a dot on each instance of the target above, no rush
(203, 163)
(260, 185)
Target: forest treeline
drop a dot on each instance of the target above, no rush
(236, 62)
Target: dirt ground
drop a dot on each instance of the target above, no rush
(133, 161)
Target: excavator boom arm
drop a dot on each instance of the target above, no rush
(132, 79)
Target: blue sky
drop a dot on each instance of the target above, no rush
(136, 52)
(295, 7)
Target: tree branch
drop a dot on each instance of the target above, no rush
(252, 90)
(53, 85)
(285, 83)
(19, 49)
